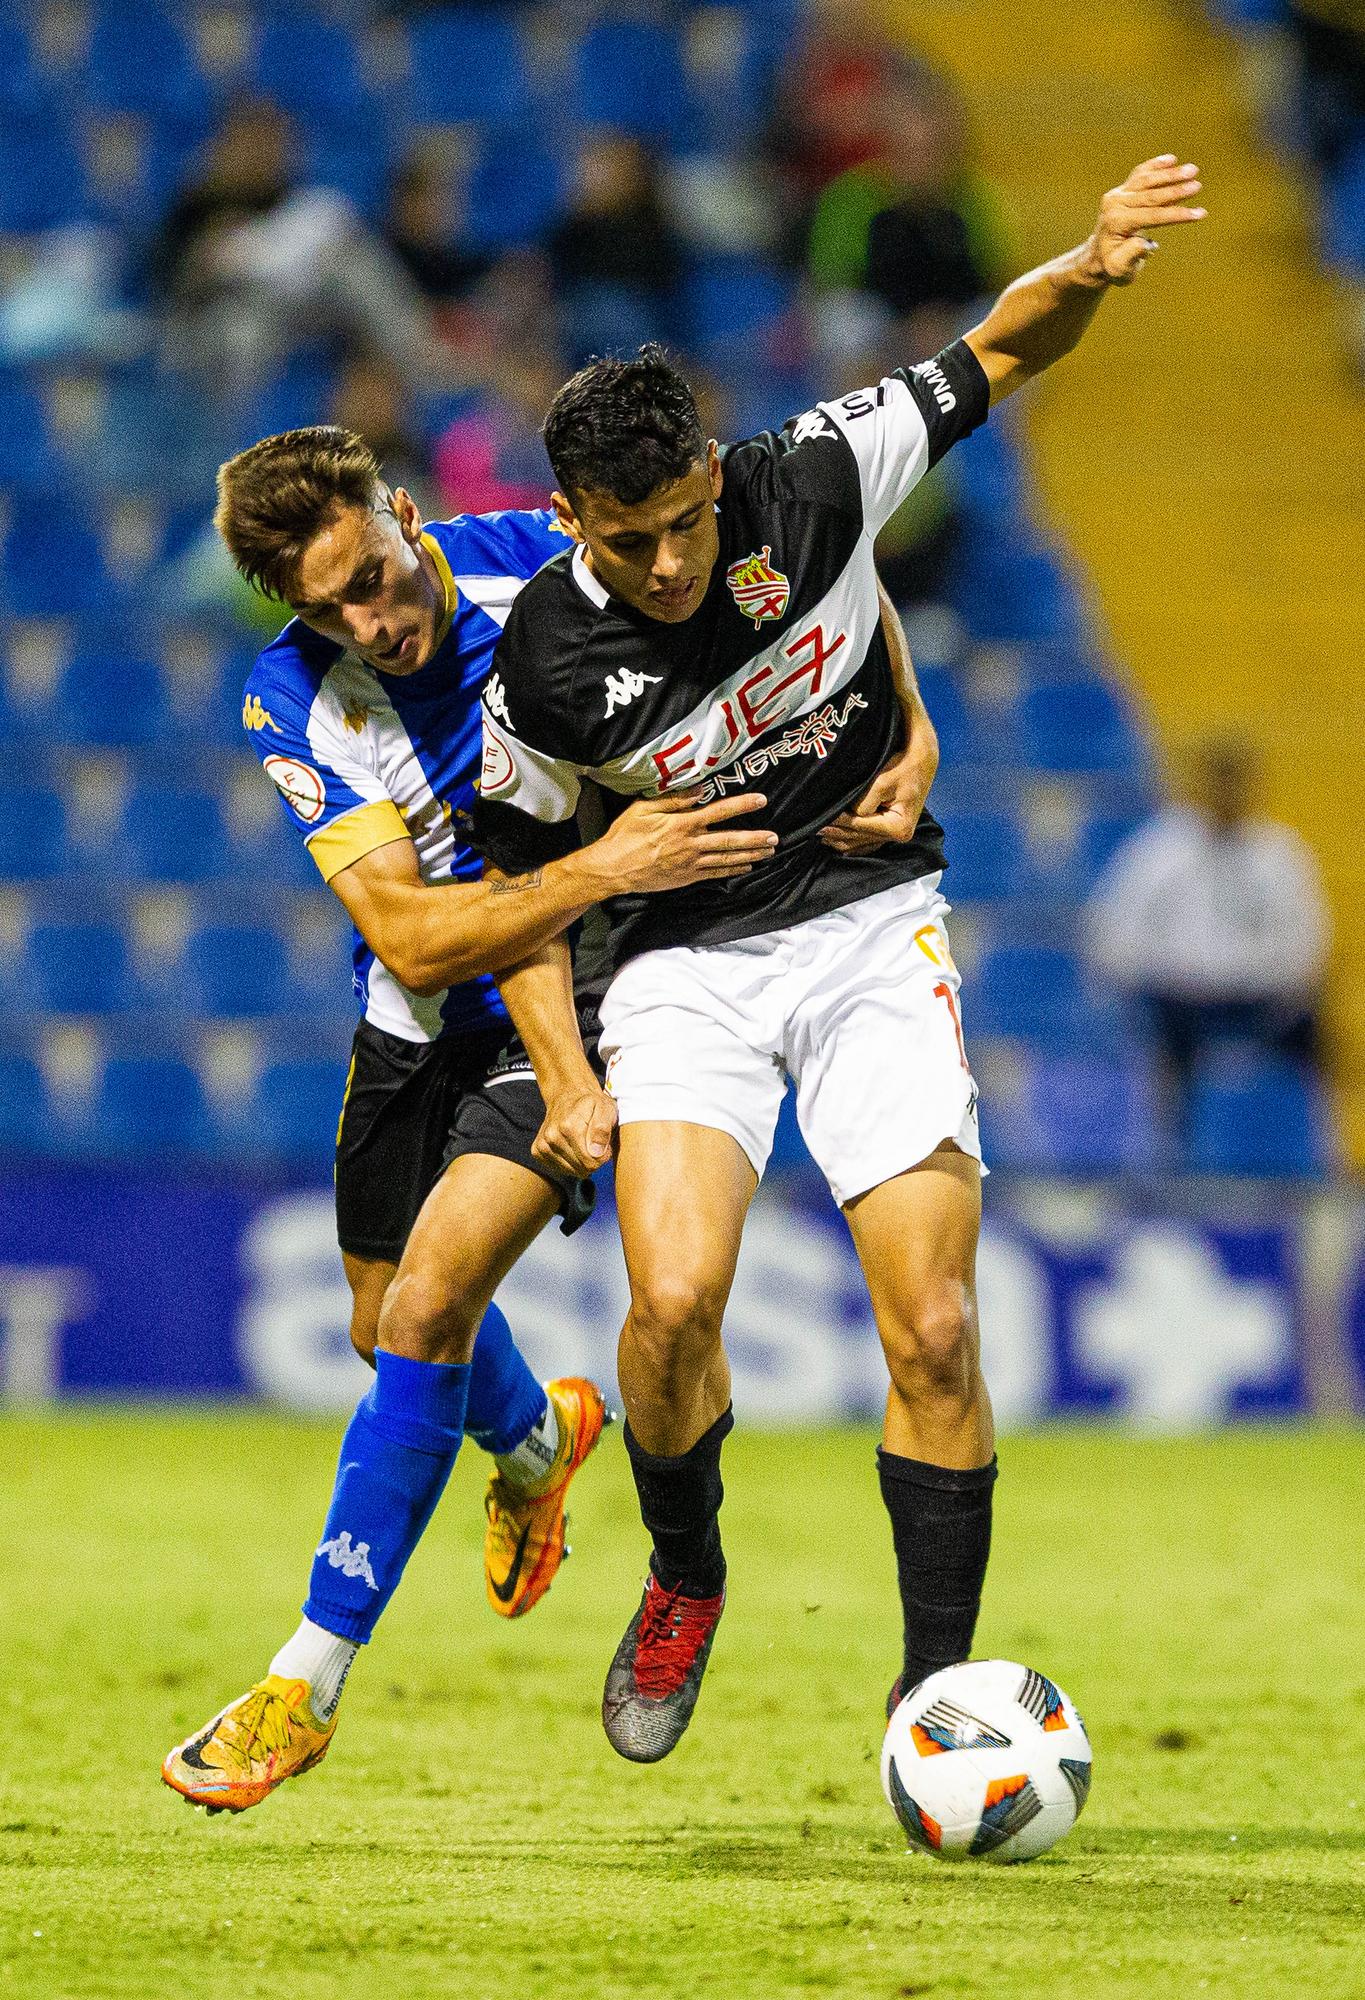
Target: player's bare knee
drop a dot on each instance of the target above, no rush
(675, 1326)
(428, 1316)
(932, 1350)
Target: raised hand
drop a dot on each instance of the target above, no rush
(1155, 195)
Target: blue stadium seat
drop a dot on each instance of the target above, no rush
(734, 301)
(987, 860)
(177, 835)
(238, 970)
(109, 697)
(1032, 991)
(42, 180)
(80, 968)
(22, 84)
(149, 1106)
(1099, 839)
(515, 189)
(1344, 213)
(53, 563)
(1263, 1117)
(1080, 725)
(308, 63)
(25, 1113)
(141, 61)
(33, 833)
(29, 455)
(631, 75)
(1012, 594)
(1092, 1116)
(295, 1111)
(959, 740)
(467, 64)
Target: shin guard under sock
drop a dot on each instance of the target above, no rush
(680, 1504)
(941, 1528)
(395, 1460)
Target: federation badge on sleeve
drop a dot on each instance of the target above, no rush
(760, 591)
(302, 786)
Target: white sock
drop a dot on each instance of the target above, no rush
(321, 1659)
(532, 1458)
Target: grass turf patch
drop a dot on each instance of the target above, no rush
(472, 1835)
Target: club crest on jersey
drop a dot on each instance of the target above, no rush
(758, 589)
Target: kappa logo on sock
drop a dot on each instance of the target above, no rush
(350, 1561)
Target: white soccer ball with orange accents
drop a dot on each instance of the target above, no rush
(986, 1761)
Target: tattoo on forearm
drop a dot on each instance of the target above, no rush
(506, 885)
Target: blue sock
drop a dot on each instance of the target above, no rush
(505, 1400)
(395, 1460)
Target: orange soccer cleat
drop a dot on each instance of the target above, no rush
(523, 1543)
(267, 1735)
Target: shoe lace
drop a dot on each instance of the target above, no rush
(672, 1627)
(261, 1724)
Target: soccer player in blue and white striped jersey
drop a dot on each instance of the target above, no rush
(365, 713)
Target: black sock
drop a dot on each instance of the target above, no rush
(941, 1527)
(680, 1504)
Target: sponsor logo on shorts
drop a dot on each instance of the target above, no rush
(758, 589)
(299, 785)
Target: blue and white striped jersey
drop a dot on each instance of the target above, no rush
(361, 758)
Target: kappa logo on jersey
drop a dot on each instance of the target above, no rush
(350, 1561)
(255, 715)
(622, 688)
(814, 424)
(299, 785)
(495, 700)
(758, 589)
(936, 382)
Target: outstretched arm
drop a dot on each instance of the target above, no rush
(432, 935)
(1041, 316)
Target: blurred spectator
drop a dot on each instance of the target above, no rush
(1213, 920)
(817, 134)
(616, 260)
(1330, 38)
(916, 225)
(424, 227)
(250, 263)
(370, 398)
(492, 455)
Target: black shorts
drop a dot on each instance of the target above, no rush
(413, 1107)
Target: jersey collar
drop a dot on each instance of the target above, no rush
(451, 594)
(590, 586)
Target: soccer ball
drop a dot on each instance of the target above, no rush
(986, 1760)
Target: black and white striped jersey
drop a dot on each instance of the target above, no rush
(780, 681)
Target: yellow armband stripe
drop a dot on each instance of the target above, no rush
(355, 834)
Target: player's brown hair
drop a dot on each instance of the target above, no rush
(276, 495)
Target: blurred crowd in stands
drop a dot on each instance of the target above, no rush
(221, 221)
(1305, 69)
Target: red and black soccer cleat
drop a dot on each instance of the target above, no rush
(655, 1678)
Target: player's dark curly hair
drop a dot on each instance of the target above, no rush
(624, 427)
(274, 497)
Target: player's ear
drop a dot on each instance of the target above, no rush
(714, 468)
(407, 514)
(565, 515)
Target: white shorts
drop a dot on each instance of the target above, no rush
(859, 1008)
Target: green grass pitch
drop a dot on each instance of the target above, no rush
(471, 1835)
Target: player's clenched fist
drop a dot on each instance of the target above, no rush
(1156, 194)
(670, 842)
(577, 1133)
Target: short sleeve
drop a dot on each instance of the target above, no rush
(330, 797)
(528, 798)
(899, 427)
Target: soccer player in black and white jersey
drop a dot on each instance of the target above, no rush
(717, 628)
